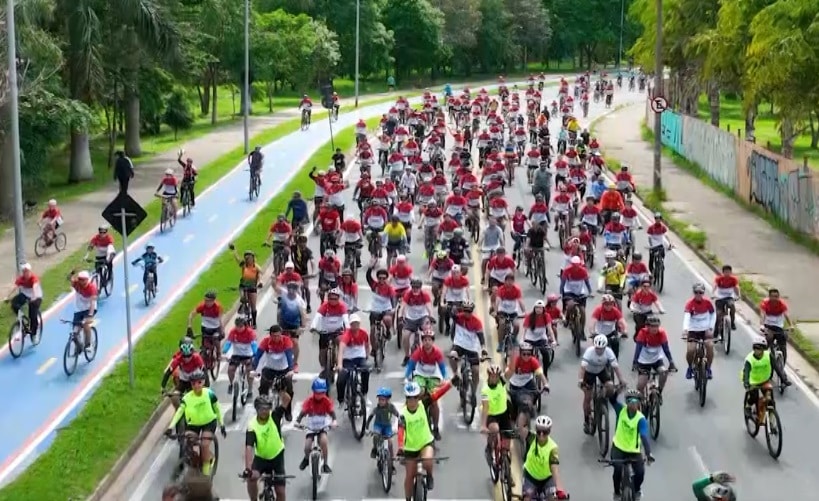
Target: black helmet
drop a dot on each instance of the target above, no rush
(262, 402)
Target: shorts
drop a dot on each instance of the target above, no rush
(79, 318)
(532, 486)
(211, 427)
(248, 289)
(291, 331)
(472, 356)
(377, 316)
(517, 394)
(273, 466)
(236, 360)
(589, 378)
(183, 386)
(494, 282)
(417, 454)
(698, 335)
(210, 336)
(324, 339)
(657, 366)
(385, 430)
(503, 421)
(413, 325)
(427, 383)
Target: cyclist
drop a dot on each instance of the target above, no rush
(85, 303)
(274, 360)
(439, 269)
(353, 351)
(630, 433)
(189, 174)
(183, 363)
(256, 160)
(427, 368)
(103, 245)
(29, 291)
(242, 338)
(698, 324)
(415, 307)
(636, 272)
(301, 258)
(306, 107)
(657, 239)
(774, 312)
(415, 440)
(574, 282)
(168, 190)
(539, 331)
(615, 234)
(329, 268)
(321, 414)
(508, 305)
(298, 207)
(458, 247)
(714, 487)
(607, 320)
(594, 366)
(250, 280)
(757, 371)
(725, 291)
(264, 447)
(521, 372)
(541, 471)
(383, 299)
(500, 266)
(382, 415)
(494, 407)
(50, 220)
(292, 317)
(149, 259)
(396, 236)
(469, 342)
(651, 349)
(492, 239)
(279, 236)
(201, 411)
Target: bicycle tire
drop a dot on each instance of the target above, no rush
(215, 456)
(494, 471)
(361, 403)
(385, 468)
(602, 425)
(90, 357)
(779, 361)
(467, 408)
(751, 423)
(577, 335)
(60, 237)
(654, 416)
(775, 452)
(16, 330)
(243, 389)
(420, 488)
(40, 247)
(235, 410)
(215, 363)
(726, 333)
(109, 282)
(315, 474)
(541, 269)
(659, 275)
(70, 359)
(703, 379)
(506, 474)
(379, 350)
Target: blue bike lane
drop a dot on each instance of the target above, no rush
(38, 396)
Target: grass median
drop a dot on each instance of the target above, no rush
(87, 448)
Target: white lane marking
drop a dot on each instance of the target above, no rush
(695, 455)
(188, 238)
(48, 363)
(213, 218)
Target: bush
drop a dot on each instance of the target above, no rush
(177, 113)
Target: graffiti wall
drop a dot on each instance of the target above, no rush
(671, 126)
(712, 149)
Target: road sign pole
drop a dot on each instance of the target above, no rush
(659, 71)
(122, 214)
(330, 121)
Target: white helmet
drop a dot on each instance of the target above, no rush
(575, 260)
(412, 389)
(543, 423)
(456, 268)
(25, 267)
(289, 265)
(610, 254)
(354, 318)
(401, 258)
(540, 304)
(169, 172)
(760, 341)
(52, 202)
(331, 169)
(600, 341)
(83, 275)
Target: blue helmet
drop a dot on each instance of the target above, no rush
(384, 392)
(319, 386)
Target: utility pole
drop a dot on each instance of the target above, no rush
(622, 21)
(246, 111)
(357, 45)
(14, 137)
(659, 71)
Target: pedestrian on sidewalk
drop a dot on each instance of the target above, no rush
(123, 171)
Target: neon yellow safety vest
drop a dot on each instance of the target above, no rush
(268, 439)
(417, 434)
(537, 463)
(199, 408)
(497, 397)
(761, 369)
(626, 436)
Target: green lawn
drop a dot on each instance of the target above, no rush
(767, 130)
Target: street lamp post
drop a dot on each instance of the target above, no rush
(246, 83)
(357, 45)
(622, 21)
(658, 91)
(14, 137)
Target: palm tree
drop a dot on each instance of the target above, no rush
(87, 26)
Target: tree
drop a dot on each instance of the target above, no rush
(417, 27)
(177, 114)
(462, 20)
(530, 28)
(496, 49)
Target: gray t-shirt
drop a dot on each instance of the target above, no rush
(595, 363)
(492, 237)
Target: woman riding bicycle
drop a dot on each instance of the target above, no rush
(250, 280)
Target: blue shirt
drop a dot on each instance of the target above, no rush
(597, 189)
(149, 259)
(298, 207)
(290, 312)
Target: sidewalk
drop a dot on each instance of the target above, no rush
(735, 236)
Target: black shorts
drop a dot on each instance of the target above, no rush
(324, 340)
(472, 356)
(417, 454)
(290, 331)
(494, 283)
(236, 360)
(589, 378)
(183, 387)
(697, 335)
(503, 421)
(648, 368)
(211, 427)
(248, 289)
(273, 466)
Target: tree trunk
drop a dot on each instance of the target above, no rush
(713, 103)
(79, 166)
(6, 178)
(133, 146)
(214, 115)
(814, 129)
(204, 98)
(750, 123)
(788, 137)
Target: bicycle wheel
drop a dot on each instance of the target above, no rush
(186, 202)
(91, 352)
(420, 488)
(779, 362)
(541, 270)
(40, 246)
(60, 241)
(654, 416)
(751, 423)
(109, 282)
(359, 410)
(242, 388)
(215, 363)
(506, 478)
(38, 336)
(17, 340)
(385, 461)
(726, 333)
(494, 470)
(577, 336)
(659, 275)
(379, 351)
(601, 414)
(315, 459)
(234, 412)
(70, 355)
(467, 405)
(163, 219)
(214, 457)
(703, 379)
(773, 433)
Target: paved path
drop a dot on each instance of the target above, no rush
(736, 236)
(683, 451)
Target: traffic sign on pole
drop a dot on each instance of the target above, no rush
(134, 214)
(659, 104)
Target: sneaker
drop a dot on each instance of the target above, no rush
(304, 463)
(430, 483)
(616, 497)
(436, 434)
(309, 310)
(689, 373)
(405, 362)
(325, 468)
(373, 453)
(288, 414)
(230, 389)
(708, 373)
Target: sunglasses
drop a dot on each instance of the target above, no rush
(633, 401)
(541, 433)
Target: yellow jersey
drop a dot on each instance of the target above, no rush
(395, 232)
(573, 126)
(614, 275)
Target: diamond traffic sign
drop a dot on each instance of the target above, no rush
(135, 214)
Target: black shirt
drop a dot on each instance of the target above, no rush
(537, 237)
(457, 248)
(300, 258)
(338, 159)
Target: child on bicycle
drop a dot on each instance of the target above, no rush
(382, 414)
(149, 261)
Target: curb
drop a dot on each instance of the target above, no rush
(113, 475)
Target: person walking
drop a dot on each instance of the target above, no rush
(123, 171)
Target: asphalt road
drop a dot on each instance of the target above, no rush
(692, 440)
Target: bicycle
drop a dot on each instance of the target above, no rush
(209, 350)
(499, 460)
(59, 241)
(765, 416)
(652, 402)
(778, 358)
(536, 269)
(20, 328)
(185, 198)
(627, 490)
(305, 120)
(244, 304)
(506, 332)
(101, 276)
(380, 334)
(383, 461)
(351, 258)
(314, 457)
(657, 270)
(190, 458)
(77, 344)
(328, 373)
(268, 491)
(700, 369)
(356, 401)
(575, 318)
(419, 488)
(167, 218)
(149, 287)
(254, 185)
(466, 391)
(724, 325)
(279, 256)
(239, 391)
(599, 418)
